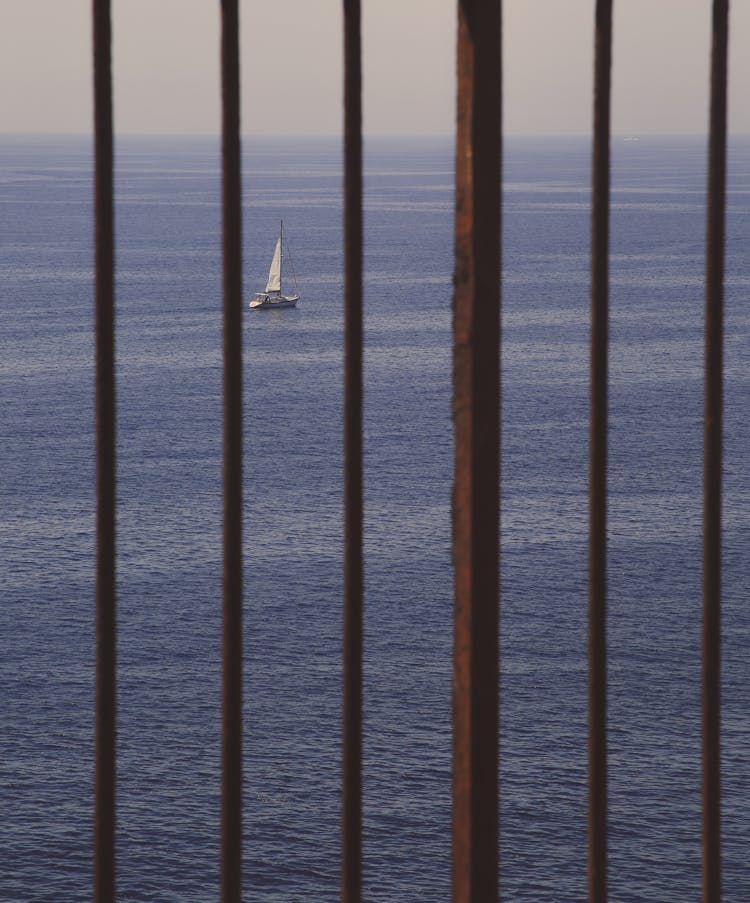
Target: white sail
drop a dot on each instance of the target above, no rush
(274, 274)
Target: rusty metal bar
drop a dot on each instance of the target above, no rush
(597, 594)
(351, 816)
(231, 740)
(712, 445)
(104, 405)
(476, 419)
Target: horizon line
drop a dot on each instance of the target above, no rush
(401, 136)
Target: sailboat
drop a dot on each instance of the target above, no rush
(273, 298)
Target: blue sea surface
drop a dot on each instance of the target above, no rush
(169, 372)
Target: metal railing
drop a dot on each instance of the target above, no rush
(476, 409)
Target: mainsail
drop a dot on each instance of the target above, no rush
(274, 274)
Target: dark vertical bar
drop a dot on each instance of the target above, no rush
(351, 817)
(231, 742)
(712, 442)
(104, 405)
(476, 418)
(597, 604)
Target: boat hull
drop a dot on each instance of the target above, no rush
(267, 303)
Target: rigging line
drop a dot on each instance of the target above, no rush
(291, 264)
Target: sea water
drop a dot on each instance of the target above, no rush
(169, 368)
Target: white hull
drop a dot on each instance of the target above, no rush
(268, 302)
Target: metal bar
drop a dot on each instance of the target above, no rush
(712, 445)
(476, 419)
(597, 593)
(351, 816)
(104, 404)
(231, 745)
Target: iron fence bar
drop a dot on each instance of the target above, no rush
(231, 745)
(476, 419)
(597, 592)
(712, 450)
(351, 816)
(104, 405)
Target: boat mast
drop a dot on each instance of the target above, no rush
(281, 253)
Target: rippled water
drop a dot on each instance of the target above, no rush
(169, 372)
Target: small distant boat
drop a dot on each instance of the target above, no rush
(273, 298)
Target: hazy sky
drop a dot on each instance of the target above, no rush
(166, 71)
